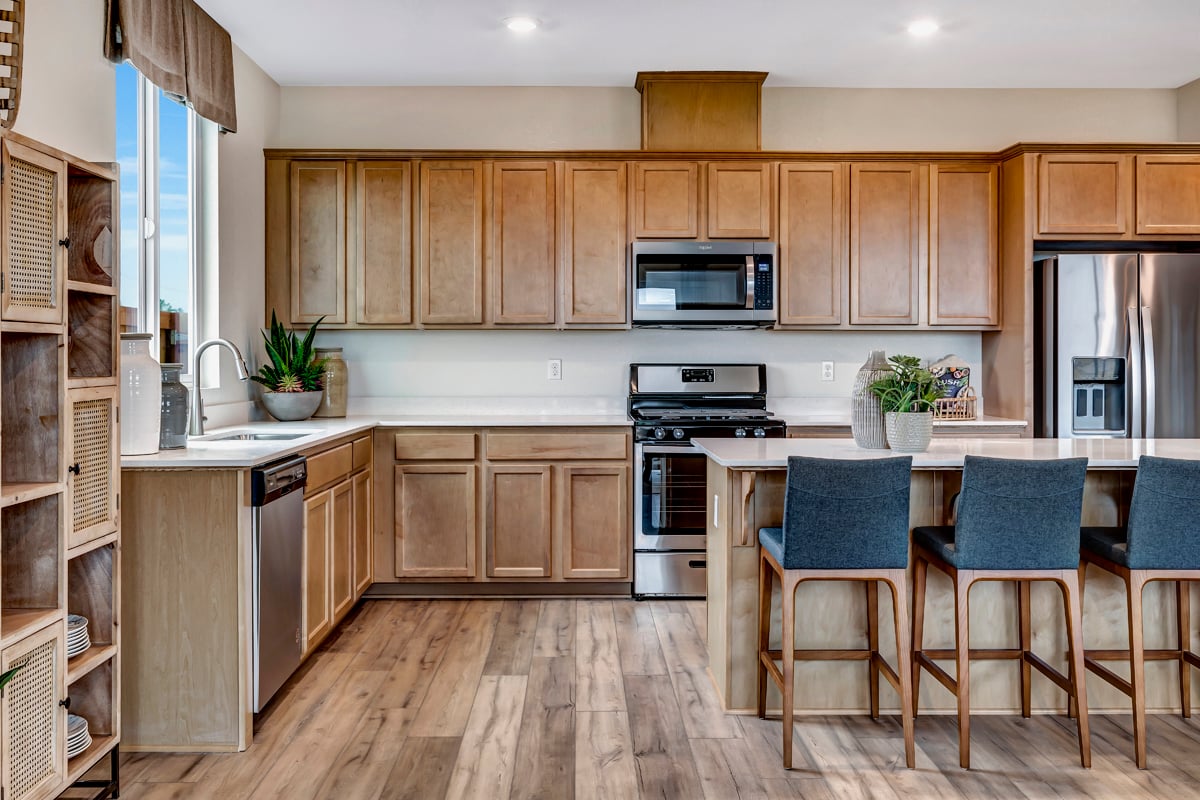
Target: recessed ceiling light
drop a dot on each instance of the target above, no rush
(923, 27)
(521, 24)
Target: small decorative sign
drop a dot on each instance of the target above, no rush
(953, 374)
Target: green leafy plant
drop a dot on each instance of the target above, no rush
(6, 677)
(909, 387)
(294, 364)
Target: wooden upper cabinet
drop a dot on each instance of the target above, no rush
(812, 243)
(885, 222)
(594, 522)
(1083, 194)
(384, 242)
(964, 279)
(318, 241)
(519, 527)
(666, 199)
(451, 242)
(1168, 194)
(593, 238)
(435, 520)
(521, 265)
(739, 200)
(34, 191)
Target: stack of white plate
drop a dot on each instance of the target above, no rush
(78, 738)
(77, 635)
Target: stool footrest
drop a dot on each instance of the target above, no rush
(1108, 675)
(1148, 655)
(980, 654)
(824, 655)
(943, 677)
(1050, 672)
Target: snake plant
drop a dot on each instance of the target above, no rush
(294, 364)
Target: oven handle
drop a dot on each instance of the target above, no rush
(750, 282)
(666, 449)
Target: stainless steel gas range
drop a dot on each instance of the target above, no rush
(670, 405)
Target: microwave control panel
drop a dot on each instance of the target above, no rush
(764, 285)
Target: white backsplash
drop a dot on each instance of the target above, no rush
(595, 364)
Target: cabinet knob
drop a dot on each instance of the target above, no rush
(75, 468)
(65, 242)
(65, 703)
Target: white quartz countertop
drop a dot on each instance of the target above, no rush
(948, 453)
(799, 419)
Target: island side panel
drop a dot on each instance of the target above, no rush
(185, 612)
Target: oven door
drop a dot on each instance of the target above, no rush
(670, 498)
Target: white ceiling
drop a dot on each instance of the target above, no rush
(852, 43)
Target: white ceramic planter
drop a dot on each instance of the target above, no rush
(291, 406)
(141, 396)
(909, 431)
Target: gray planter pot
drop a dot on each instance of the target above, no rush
(291, 406)
(909, 431)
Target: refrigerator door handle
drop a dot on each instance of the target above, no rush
(1148, 372)
(1135, 374)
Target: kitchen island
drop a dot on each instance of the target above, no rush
(746, 480)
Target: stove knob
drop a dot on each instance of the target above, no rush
(677, 433)
(660, 433)
(759, 433)
(740, 433)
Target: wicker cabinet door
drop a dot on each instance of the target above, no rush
(33, 196)
(93, 464)
(34, 722)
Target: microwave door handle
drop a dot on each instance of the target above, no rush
(750, 282)
(1148, 358)
(1135, 379)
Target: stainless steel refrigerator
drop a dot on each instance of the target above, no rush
(1117, 342)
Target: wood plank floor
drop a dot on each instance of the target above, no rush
(573, 700)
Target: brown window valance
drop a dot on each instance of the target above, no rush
(180, 49)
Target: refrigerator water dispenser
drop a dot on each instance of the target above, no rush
(1098, 396)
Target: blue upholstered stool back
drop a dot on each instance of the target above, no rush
(1164, 516)
(842, 514)
(1015, 514)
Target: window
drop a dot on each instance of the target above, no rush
(160, 147)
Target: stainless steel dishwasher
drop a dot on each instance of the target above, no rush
(277, 496)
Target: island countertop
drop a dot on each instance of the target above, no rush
(758, 454)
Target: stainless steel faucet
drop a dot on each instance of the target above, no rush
(196, 425)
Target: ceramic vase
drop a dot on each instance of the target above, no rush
(141, 396)
(866, 415)
(335, 379)
(909, 431)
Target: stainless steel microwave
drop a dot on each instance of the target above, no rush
(704, 284)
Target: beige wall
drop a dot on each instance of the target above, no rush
(68, 93)
(1188, 107)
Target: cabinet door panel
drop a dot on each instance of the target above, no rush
(32, 721)
(812, 243)
(318, 241)
(317, 621)
(594, 233)
(964, 279)
(739, 200)
(435, 520)
(341, 541)
(364, 534)
(1168, 195)
(34, 192)
(1083, 193)
(666, 199)
(521, 265)
(594, 521)
(884, 244)
(94, 460)
(384, 252)
(451, 242)
(519, 528)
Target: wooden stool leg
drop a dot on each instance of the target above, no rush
(1026, 643)
(1137, 668)
(920, 570)
(789, 663)
(1183, 596)
(873, 644)
(962, 665)
(765, 571)
(899, 585)
(1072, 602)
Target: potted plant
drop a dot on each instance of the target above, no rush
(292, 381)
(907, 397)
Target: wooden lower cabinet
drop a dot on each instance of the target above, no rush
(34, 719)
(594, 521)
(435, 520)
(341, 551)
(318, 619)
(364, 541)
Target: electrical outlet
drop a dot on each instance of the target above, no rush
(826, 370)
(554, 369)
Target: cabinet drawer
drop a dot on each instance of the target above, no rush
(513, 446)
(324, 468)
(435, 446)
(362, 452)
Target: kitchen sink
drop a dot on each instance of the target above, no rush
(244, 436)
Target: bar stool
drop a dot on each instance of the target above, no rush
(842, 521)
(1161, 542)
(1017, 521)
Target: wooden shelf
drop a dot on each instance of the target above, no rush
(90, 288)
(88, 660)
(17, 623)
(48, 328)
(13, 493)
(80, 764)
(94, 544)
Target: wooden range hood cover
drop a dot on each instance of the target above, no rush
(701, 111)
